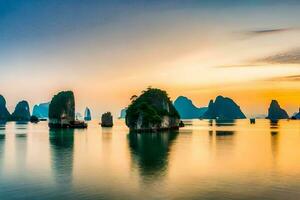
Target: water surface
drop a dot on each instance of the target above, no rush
(204, 160)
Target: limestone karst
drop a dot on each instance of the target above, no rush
(41, 110)
(4, 114)
(107, 120)
(152, 111)
(62, 111)
(276, 112)
(21, 112)
(223, 108)
(87, 114)
(187, 110)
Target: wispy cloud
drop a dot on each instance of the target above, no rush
(288, 57)
(261, 32)
(291, 78)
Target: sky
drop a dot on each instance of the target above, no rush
(107, 51)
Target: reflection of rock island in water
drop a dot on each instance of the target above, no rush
(150, 151)
(62, 111)
(152, 111)
(62, 142)
(224, 109)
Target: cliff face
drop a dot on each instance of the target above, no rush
(87, 115)
(276, 112)
(62, 109)
(187, 110)
(152, 111)
(22, 112)
(123, 113)
(224, 109)
(4, 114)
(297, 115)
(41, 110)
(107, 120)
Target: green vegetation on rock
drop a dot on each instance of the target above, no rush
(152, 110)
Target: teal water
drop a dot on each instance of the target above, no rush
(204, 160)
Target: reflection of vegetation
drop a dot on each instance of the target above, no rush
(151, 151)
(274, 133)
(153, 104)
(230, 122)
(62, 138)
(224, 133)
(62, 141)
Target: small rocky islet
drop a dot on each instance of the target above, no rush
(87, 114)
(152, 111)
(107, 120)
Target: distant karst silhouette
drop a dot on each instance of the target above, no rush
(276, 112)
(186, 108)
(22, 112)
(87, 114)
(4, 114)
(223, 109)
(123, 113)
(41, 110)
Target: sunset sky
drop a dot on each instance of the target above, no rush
(106, 51)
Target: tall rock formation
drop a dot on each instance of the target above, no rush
(123, 113)
(87, 114)
(223, 108)
(62, 110)
(152, 111)
(41, 111)
(22, 112)
(276, 112)
(4, 114)
(107, 120)
(187, 110)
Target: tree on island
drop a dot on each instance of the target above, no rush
(152, 110)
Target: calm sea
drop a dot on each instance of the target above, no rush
(233, 160)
